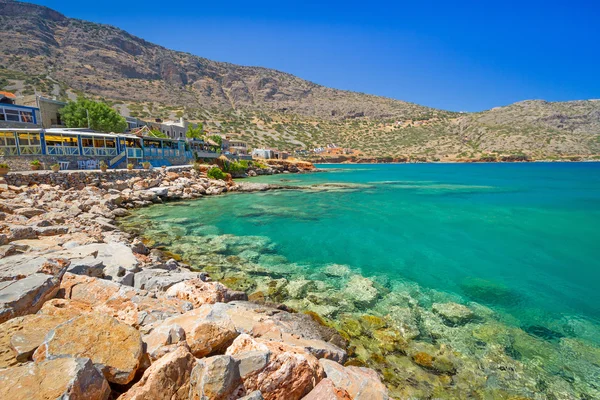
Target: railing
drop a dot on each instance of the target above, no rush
(117, 159)
(8, 151)
(99, 151)
(134, 153)
(62, 150)
(152, 152)
(30, 149)
(207, 154)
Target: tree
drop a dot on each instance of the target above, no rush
(194, 133)
(98, 116)
(217, 139)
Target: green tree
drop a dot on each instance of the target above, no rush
(194, 133)
(77, 114)
(217, 139)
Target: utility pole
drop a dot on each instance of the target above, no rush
(88, 117)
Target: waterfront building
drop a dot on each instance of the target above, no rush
(74, 148)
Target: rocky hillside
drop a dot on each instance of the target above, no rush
(41, 50)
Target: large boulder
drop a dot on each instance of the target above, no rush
(216, 378)
(115, 348)
(160, 280)
(296, 329)
(327, 390)
(26, 282)
(112, 255)
(134, 307)
(207, 331)
(291, 372)
(360, 383)
(62, 378)
(167, 378)
(199, 292)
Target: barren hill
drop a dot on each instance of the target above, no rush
(41, 50)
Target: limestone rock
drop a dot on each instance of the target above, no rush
(327, 390)
(453, 313)
(29, 212)
(216, 378)
(167, 378)
(206, 329)
(161, 280)
(161, 339)
(134, 307)
(256, 395)
(62, 378)
(114, 347)
(24, 290)
(31, 332)
(290, 374)
(360, 383)
(199, 292)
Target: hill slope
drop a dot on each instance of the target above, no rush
(42, 50)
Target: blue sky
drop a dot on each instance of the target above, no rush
(461, 56)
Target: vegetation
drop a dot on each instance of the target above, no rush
(157, 134)
(236, 166)
(4, 166)
(103, 165)
(194, 133)
(216, 173)
(35, 163)
(146, 165)
(98, 116)
(217, 139)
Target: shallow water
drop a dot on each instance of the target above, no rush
(517, 243)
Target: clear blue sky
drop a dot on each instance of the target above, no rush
(456, 55)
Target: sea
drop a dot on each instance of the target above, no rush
(492, 269)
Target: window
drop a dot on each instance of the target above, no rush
(7, 139)
(16, 115)
(12, 115)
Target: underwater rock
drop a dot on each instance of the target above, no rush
(361, 291)
(337, 270)
(453, 313)
(490, 292)
(298, 288)
(543, 333)
(403, 319)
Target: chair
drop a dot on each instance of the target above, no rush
(63, 165)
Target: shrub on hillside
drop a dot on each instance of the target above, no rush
(216, 173)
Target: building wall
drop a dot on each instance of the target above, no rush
(49, 113)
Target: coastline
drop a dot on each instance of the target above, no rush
(75, 273)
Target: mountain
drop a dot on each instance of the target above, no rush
(41, 50)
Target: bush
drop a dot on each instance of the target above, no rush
(4, 165)
(35, 162)
(216, 173)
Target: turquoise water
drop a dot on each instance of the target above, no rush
(522, 240)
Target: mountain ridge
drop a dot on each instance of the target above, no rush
(43, 51)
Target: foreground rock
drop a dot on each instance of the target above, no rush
(167, 378)
(359, 383)
(114, 347)
(26, 282)
(290, 373)
(63, 378)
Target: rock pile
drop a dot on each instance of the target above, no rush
(89, 312)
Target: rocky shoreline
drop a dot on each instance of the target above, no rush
(90, 312)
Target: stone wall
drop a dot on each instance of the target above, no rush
(77, 179)
(22, 162)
